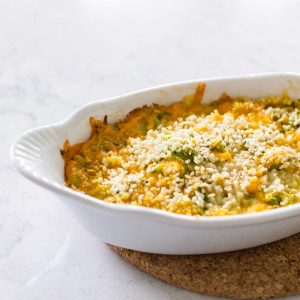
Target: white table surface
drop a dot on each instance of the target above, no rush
(58, 55)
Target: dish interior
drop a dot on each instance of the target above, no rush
(232, 156)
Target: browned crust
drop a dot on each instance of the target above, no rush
(199, 92)
(263, 272)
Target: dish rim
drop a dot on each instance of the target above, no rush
(154, 213)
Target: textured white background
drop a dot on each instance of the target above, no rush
(56, 55)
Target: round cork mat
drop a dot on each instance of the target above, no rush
(262, 272)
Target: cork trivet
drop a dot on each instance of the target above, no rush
(262, 272)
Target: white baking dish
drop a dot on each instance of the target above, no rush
(36, 155)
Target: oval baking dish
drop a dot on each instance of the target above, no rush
(36, 154)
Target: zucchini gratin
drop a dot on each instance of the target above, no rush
(233, 156)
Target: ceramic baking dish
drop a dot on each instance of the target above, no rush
(36, 154)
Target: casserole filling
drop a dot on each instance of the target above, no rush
(233, 156)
